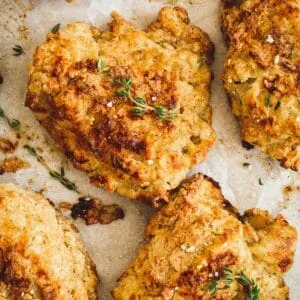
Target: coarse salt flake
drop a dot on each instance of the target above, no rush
(188, 248)
(269, 39)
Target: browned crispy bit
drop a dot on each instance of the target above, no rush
(93, 211)
(65, 205)
(7, 146)
(12, 165)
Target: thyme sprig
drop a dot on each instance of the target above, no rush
(251, 287)
(141, 107)
(212, 288)
(55, 29)
(13, 123)
(101, 65)
(228, 277)
(18, 50)
(60, 176)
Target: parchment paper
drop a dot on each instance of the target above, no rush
(114, 246)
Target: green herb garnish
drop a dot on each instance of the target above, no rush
(13, 123)
(245, 164)
(18, 50)
(260, 182)
(31, 150)
(141, 106)
(60, 176)
(55, 28)
(251, 287)
(62, 179)
(268, 101)
(101, 65)
(228, 277)
(212, 288)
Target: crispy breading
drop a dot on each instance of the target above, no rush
(41, 254)
(79, 102)
(262, 74)
(198, 238)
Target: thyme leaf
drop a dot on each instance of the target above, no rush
(212, 288)
(164, 114)
(30, 149)
(60, 176)
(252, 289)
(228, 277)
(101, 65)
(268, 101)
(18, 50)
(13, 123)
(55, 28)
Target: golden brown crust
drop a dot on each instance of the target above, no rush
(196, 236)
(41, 254)
(262, 74)
(142, 157)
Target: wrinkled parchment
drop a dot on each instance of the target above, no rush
(114, 246)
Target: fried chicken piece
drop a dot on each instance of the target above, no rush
(41, 254)
(199, 247)
(262, 74)
(129, 107)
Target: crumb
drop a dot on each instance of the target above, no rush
(65, 205)
(7, 146)
(12, 165)
(289, 189)
(93, 211)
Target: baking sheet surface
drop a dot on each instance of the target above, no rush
(262, 184)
